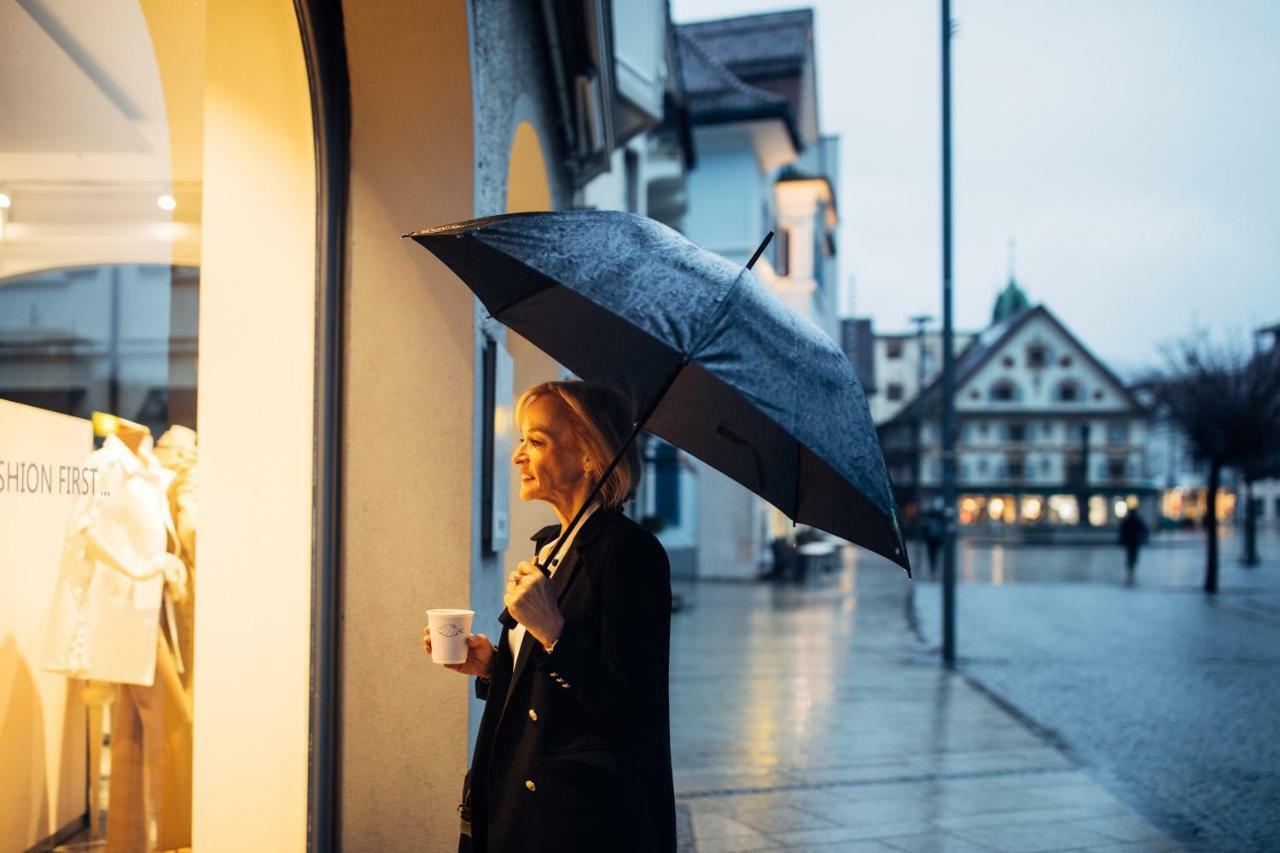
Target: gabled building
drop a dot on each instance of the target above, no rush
(1046, 433)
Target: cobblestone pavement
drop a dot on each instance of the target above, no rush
(1170, 697)
(809, 717)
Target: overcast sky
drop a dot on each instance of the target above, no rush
(1130, 147)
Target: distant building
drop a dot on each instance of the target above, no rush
(1046, 433)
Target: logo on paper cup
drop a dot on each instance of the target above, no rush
(448, 630)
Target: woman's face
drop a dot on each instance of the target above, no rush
(548, 458)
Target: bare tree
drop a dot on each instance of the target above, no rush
(1226, 399)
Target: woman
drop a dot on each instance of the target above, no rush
(574, 748)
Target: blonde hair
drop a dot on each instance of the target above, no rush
(601, 419)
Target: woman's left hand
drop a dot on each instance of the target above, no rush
(531, 599)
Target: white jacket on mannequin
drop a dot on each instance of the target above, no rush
(116, 565)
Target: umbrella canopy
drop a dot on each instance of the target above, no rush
(751, 388)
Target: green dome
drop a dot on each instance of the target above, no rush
(1010, 302)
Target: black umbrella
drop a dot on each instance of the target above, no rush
(714, 363)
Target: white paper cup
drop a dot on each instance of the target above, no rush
(449, 632)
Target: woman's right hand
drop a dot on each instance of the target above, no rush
(479, 655)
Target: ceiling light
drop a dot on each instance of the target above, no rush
(166, 202)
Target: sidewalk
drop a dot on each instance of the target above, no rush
(810, 718)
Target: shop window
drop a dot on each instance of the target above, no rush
(1097, 510)
(1064, 509)
(971, 508)
(1005, 391)
(893, 348)
(1031, 508)
(100, 242)
(893, 391)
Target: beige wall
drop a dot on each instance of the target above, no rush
(408, 497)
(257, 319)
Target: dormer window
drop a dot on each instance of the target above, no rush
(1005, 391)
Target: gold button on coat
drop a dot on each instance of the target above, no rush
(533, 715)
(528, 783)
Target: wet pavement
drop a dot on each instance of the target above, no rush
(810, 717)
(1168, 697)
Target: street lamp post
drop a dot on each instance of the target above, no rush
(948, 364)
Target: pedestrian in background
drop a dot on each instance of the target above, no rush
(1133, 532)
(935, 530)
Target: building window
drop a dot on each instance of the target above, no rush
(893, 349)
(1065, 361)
(1015, 467)
(1117, 467)
(893, 391)
(1016, 432)
(983, 467)
(1068, 391)
(1044, 465)
(1007, 361)
(1005, 391)
(1097, 394)
(1037, 355)
(1076, 433)
(1118, 433)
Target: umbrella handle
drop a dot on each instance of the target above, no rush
(763, 243)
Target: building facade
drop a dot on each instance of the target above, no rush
(1047, 436)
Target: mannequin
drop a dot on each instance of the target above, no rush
(177, 451)
(113, 621)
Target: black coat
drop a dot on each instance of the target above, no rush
(574, 748)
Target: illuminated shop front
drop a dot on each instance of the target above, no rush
(1044, 509)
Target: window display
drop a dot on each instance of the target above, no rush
(101, 170)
